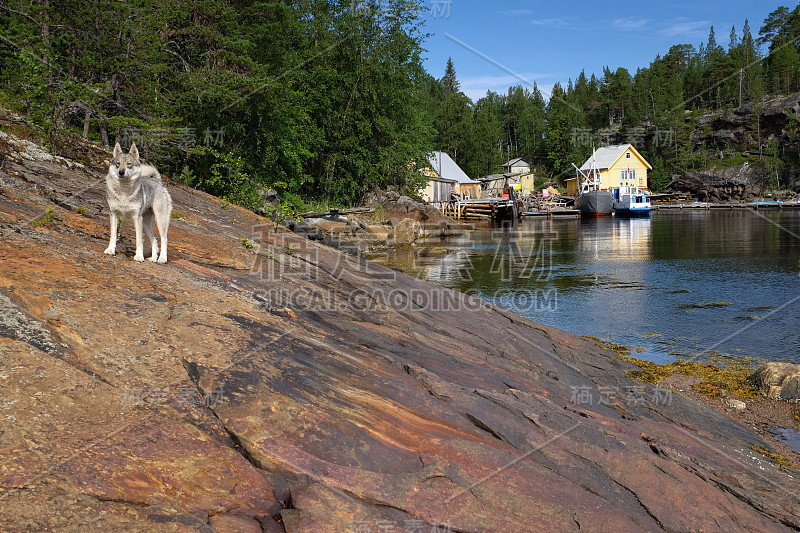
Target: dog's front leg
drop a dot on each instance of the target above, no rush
(112, 242)
(137, 224)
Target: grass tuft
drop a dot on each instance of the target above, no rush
(49, 219)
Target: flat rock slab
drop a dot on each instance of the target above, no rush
(289, 387)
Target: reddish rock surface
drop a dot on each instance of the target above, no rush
(289, 387)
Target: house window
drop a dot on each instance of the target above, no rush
(627, 174)
(627, 155)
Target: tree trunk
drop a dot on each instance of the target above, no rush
(44, 29)
(104, 132)
(86, 121)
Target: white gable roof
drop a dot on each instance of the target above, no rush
(606, 156)
(447, 168)
(519, 162)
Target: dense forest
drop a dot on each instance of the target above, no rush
(321, 99)
(657, 109)
(318, 99)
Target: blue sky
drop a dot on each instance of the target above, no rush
(496, 44)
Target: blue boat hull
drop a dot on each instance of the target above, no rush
(632, 212)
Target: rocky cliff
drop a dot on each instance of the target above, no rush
(736, 184)
(775, 118)
(262, 382)
(742, 135)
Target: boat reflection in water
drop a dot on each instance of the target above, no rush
(611, 240)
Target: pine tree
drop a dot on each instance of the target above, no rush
(617, 94)
(785, 65)
(565, 121)
(775, 26)
(449, 81)
(712, 48)
(752, 77)
(717, 69)
(782, 61)
(484, 157)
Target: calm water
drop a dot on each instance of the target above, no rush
(681, 283)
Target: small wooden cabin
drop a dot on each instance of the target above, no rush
(438, 189)
(444, 172)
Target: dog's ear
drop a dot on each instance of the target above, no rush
(134, 151)
(117, 150)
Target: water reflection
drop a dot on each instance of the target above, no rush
(610, 239)
(677, 283)
(454, 267)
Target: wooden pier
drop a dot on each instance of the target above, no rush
(755, 206)
(669, 198)
(553, 213)
(480, 209)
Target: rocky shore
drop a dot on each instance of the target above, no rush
(261, 381)
(392, 220)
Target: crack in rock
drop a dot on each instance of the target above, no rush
(19, 326)
(482, 425)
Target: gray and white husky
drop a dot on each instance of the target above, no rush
(134, 191)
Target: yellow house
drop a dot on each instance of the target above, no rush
(618, 165)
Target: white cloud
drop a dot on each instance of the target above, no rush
(516, 13)
(558, 22)
(686, 28)
(630, 24)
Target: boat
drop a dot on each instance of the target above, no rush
(756, 205)
(591, 201)
(630, 201)
(594, 203)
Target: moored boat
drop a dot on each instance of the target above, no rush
(591, 200)
(594, 203)
(630, 201)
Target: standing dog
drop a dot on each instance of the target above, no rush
(134, 190)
